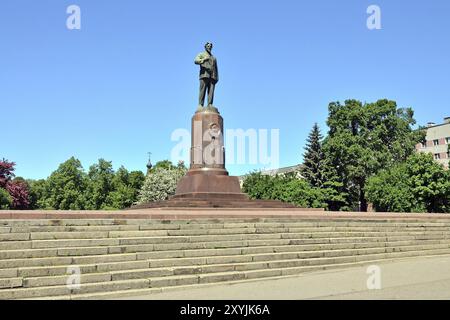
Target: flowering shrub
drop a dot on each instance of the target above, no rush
(160, 184)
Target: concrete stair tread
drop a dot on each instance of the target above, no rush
(144, 222)
(117, 259)
(152, 255)
(168, 271)
(206, 278)
(184, 230)
(286, 273)
(117, 248)
(37, 244)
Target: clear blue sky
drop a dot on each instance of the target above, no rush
(118, 87)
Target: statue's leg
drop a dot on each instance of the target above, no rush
(211, 88)
(201, 99)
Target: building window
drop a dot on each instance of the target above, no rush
(437, 156)
(436, 142)
(448, 155)
(447, 140)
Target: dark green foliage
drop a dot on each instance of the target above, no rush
(71, 188)
(362, 140)
(417, 185)
(66, 187)
(37, 192)
(125, 189)
(168, 165)
(286, 188)
(5, 199)
(100, 184)
(312, 159)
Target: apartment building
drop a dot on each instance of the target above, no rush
(437, 142)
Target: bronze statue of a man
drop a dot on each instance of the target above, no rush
(209, 74)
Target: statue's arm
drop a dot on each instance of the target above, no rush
(217, 73)
(200, 59)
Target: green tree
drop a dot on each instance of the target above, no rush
(430, 182)
(37, 193)
(161, 183)
(5, 199)
(136, 179)
(70, 188)
(126, 186)
(312, 159)
(258, 185)
(389, 191)
(66, 187)
(362, 140)
(164, 164)
(287, 188)
(100, 184)
(418, 185)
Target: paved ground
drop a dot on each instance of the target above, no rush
(415, 278)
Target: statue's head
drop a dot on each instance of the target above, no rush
(208, 46)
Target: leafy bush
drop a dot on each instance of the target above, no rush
(418, 185)
(5, 199)
(160, 184)
(286, 188)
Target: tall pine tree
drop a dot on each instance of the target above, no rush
(312, 158)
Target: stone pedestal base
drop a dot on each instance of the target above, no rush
(207, 183)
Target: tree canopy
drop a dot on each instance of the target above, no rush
(419, 184)
(14, 193)
(101, 188)
(287, 188)
(364, 138)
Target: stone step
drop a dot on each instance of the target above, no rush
(98, 234)
(307, 244)
(180, 280)
(325, 231)
(64, 250)
(267, 274)
(48, 248)
(25, 293)
(331, 226)
(51, 269)
(262, 262)
(7, 248)
(9, 283)
(250, 277)
(281, 260)
(128, 255)
(224, 221)
(110, 238)
(201, 262)
(42, 229)
(214, 203)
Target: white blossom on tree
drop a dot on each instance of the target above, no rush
(160, 184)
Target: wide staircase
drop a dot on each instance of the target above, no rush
(41, 258)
